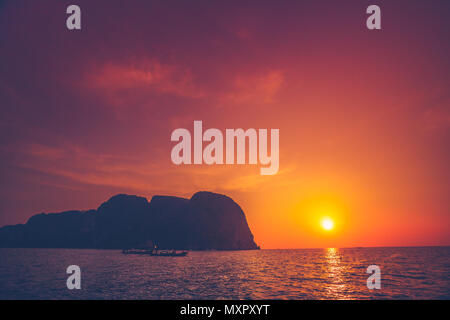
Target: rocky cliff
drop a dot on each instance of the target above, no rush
(206, 221)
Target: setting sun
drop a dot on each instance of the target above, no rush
(327, 224)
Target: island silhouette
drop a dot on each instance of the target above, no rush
(206, 221)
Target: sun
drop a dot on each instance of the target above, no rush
(327, 224)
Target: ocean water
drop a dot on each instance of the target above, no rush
(406, 273)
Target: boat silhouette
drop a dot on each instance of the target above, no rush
(155, 252)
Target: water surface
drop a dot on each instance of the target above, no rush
(407, 273)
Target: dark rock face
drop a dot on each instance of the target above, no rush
(218, 222)
(118, 222)
(206, 221)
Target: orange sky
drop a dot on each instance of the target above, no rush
(364, 116)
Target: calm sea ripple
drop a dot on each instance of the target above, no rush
(406, 273)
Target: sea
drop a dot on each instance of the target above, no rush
(405, 273)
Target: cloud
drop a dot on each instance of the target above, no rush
(260, 89)
(122, 83)
(128, 84)
(143, 174)
(255, 182)
(79, 165)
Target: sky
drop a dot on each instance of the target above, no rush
(364, 115)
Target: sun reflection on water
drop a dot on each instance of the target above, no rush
(335, 272)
